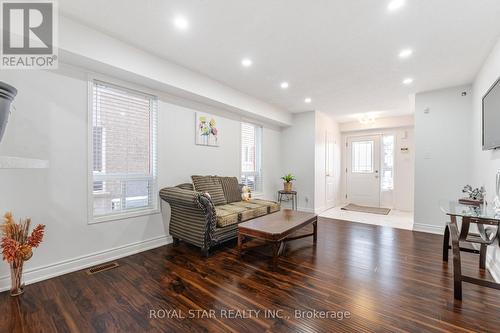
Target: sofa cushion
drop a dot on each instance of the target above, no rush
(251, 209)
(228, 215)
(231, 188)
(252, 213)
(212, 185)
(272, 206)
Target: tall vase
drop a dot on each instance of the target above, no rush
(16, 276)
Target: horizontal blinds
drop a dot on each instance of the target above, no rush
(251, 138)
(124, 149)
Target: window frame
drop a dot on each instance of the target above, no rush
(258, 154)
(372, 158)
(155, 209)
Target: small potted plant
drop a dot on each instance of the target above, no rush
(287, 185)
(17, 247)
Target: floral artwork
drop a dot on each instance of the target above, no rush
(207, 130)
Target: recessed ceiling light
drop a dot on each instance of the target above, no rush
(246, 62)
(405, 53)
(284, 85)
(408, 81)
(308, 100)
(181, 23)
(395, 5)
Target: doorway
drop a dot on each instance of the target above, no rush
(363, 170)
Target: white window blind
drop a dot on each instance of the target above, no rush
(124, 149)
(251, 156)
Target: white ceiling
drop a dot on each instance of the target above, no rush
(342, 53)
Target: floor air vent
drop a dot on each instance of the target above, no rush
(102, 268)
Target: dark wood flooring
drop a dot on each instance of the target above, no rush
(389, 280)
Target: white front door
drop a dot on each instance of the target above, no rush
(363, 165)
(330, 172)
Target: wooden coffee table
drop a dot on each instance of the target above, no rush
(276, 229)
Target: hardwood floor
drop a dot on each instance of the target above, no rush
(381, 279)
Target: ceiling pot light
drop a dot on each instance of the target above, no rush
(405, 53)
(408, 81)
(181, 23)
(246, 62)
(308, 100)
(395, 5)
(284, 85)
(366, 119)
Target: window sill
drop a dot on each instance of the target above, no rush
(123, 216)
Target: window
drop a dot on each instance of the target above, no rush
(123, 158)
(98, 155)
(362, 157)
(251, 156)
(387, 179)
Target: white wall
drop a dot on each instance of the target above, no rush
(83, 46)
(485, 163)
(50, 122)
(404, 162)
(303, 155)
(323, 125)
(297, 156)
(443, 144)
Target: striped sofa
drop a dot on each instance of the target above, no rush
(195, 218)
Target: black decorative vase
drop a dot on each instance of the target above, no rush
(7, 94)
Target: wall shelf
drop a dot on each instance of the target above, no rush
(10, 162)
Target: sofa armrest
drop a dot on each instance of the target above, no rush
(179, 196)
(193, 217)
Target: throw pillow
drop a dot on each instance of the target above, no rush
(211, 185)
(231, 188)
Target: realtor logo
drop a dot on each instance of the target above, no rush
(28, 34)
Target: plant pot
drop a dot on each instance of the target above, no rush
(287, 186)
(7, 94)
(16, 277)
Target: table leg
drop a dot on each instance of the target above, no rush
(296, 202)
(457, 268)
(464, 229)
(240, 244)
(276, 250)
(482, 256)
(446, 243)
(315, 235)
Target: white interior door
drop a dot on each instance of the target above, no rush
(330, 177)
(363, 165)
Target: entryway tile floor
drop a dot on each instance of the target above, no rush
(396, 218)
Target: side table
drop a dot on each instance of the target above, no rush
(481, 216)
(288, 195)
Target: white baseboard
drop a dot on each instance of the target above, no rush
(429, 228)
(67, 266)
(303, 209)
